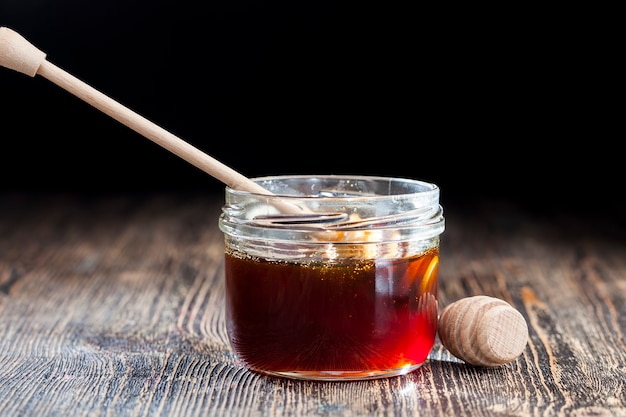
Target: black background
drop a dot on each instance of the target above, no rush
(488, 104)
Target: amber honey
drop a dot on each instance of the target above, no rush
(345, 318)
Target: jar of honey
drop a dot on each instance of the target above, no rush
(332, 277)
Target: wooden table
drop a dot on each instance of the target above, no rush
(113, 306)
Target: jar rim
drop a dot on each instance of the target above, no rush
(420, 187)
(409, 209)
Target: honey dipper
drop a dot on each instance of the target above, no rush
(19, 54)
(483, 330)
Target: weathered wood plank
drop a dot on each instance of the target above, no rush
(114, 307)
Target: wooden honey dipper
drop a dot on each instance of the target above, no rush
(18, 54)
(483, 331)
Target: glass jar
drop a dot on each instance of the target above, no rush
(332, 277)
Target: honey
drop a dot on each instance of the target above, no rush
(354, 318)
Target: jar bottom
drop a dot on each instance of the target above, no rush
(342, 375)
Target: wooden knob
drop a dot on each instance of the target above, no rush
(483, 331)
(18, 54)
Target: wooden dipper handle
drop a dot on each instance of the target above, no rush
(18, 54)
(483, 331)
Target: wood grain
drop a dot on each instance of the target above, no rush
(113, 306)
